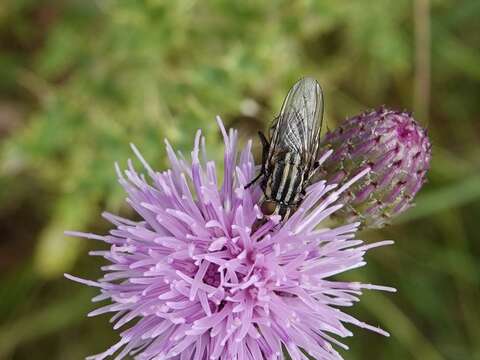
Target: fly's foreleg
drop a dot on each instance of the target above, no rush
(315, 170)
(265, 149)
(255, 179)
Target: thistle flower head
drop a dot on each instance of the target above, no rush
(396, 149)
(192, 280)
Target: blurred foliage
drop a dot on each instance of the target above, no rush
(82, 79)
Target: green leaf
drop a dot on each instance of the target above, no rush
(56, 253)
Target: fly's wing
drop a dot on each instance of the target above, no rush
(297, 128)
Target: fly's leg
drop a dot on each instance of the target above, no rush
(265, 149)
(316, 168)
(312, 174)
(308, 181)
(255, 179)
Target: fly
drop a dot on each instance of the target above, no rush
(289, 155)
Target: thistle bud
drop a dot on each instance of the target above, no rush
(396, 149)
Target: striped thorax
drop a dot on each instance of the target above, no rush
(285, 184)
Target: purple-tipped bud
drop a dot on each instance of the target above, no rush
(398, 152)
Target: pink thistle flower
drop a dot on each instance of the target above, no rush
(396, 149)
(193, 281)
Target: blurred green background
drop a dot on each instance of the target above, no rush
(79, 80)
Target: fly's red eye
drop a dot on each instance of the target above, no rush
(268, 207)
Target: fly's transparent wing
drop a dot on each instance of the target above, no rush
(297, 128)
